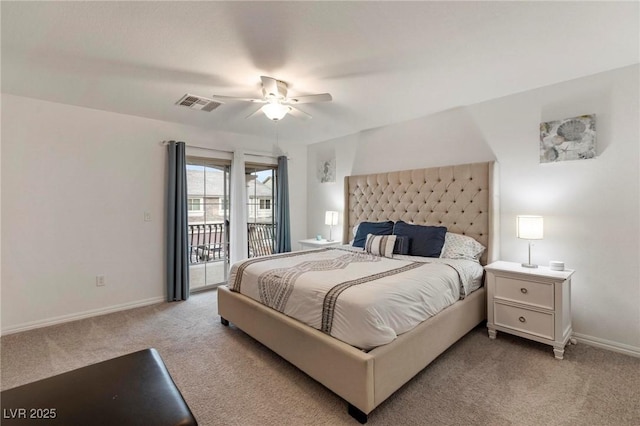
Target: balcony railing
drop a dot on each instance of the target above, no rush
(207, 242)
(210, 242)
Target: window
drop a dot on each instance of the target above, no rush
(194, 205)
(265, 204)
(261, 219)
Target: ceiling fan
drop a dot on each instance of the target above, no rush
(276, 103)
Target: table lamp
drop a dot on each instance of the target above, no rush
(529, 228)
(331, 219)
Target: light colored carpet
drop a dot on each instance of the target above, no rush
(227, 378)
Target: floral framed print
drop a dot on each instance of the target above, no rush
(569, 139)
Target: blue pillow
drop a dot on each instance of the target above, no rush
(375, 228)
(402, 245)
(425, 241)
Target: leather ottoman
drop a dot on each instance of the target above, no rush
(134, 389)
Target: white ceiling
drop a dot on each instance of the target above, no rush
(383, 62)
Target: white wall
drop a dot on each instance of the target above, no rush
(75, 185)
(591, 207)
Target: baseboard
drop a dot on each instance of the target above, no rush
(607, 344)
(80, 315)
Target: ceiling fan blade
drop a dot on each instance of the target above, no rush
(299, 114)
(254, 113)
(270, 87)
(233, 98)
(323, 97)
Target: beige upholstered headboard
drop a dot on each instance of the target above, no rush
(464, 198)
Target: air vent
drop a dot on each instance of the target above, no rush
(198, 102)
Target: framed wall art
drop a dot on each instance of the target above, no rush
(569, 139)
(326, 171)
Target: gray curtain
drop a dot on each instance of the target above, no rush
(283, 227)
(177, 243)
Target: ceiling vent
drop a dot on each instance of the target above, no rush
(198, 102)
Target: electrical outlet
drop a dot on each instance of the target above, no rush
(147, 217)
(100, 281)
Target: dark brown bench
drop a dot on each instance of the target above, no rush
(134, 389)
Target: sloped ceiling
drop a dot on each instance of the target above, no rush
(383, 62)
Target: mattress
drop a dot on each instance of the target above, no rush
(361, 299)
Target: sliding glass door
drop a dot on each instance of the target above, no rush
(208, 221)
(261, 216)
(208, 188)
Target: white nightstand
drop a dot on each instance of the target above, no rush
(312, 243)
(534, 303)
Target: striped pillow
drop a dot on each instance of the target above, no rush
(380, 245)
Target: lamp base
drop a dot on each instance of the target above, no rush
(528, 265)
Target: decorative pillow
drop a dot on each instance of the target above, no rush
(458, 246)
(355, 231)
(426, 241)
(402, 245)
(375, 228)
(380, 245)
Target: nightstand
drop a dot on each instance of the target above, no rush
(313, 243)
(534, 303)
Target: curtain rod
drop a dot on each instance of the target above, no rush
(252, 153)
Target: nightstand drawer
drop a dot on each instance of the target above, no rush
(525, 320)
(528, 292)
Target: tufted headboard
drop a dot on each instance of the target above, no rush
(464, 198)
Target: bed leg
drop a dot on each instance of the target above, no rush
(224, 321)
(357, 414)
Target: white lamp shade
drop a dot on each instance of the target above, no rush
(331, 218)
(530, 227)
(275, 111)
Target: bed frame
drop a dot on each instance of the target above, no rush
(464, 199)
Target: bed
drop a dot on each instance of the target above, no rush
(462, 198)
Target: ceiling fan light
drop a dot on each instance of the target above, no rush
(275, 111)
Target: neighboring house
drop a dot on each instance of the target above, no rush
(207, 202)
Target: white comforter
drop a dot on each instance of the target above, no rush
(361, 299)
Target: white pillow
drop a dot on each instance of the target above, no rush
(458, 246)
(380, 245)
(355, 231)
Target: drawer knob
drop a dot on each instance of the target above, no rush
(523, 290)
(522, 319)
